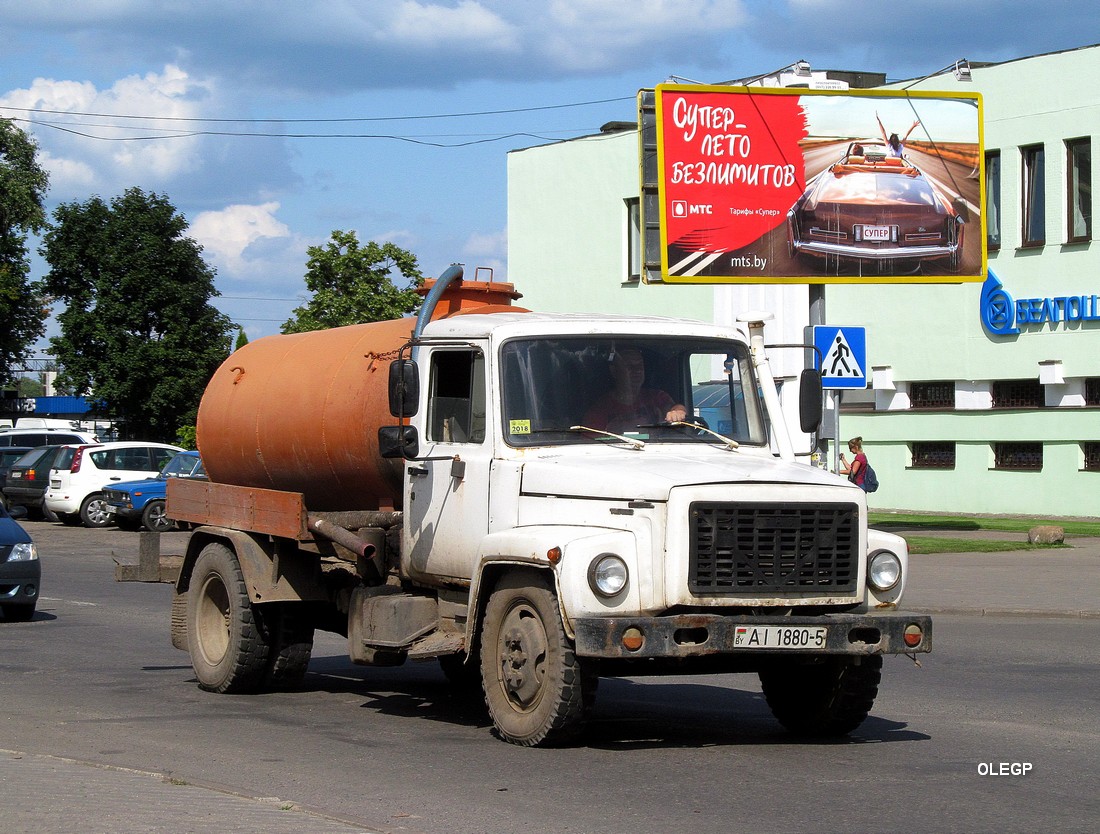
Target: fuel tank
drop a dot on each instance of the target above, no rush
(301, 412)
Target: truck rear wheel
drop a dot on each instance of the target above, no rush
(228, 651)
(531, 676)
(826, 699)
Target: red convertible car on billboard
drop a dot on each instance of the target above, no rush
(872, 211)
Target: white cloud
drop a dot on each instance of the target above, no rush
(227, 235)
(432, 24)
(101, 149)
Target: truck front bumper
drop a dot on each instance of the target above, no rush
(701, 635)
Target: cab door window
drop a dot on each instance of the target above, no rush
(456, 399)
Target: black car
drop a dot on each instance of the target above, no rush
(20, 570)
(8, 456)
(29, 477)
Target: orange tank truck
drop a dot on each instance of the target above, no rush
(301, 412)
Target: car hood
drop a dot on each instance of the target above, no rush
(650, 475)
(144, 485)
(11, 532)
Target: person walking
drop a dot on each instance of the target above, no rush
(857, 469)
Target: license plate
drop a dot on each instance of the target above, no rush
(780, 637)
(876, 232)
(15, 476)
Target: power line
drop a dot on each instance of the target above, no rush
(271, 135)
(326, 121)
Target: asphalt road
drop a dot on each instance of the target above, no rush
(104, 729)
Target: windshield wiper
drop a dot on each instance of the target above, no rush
(633, 441)
(731, 444)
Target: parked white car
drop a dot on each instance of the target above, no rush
(44, 437)
(76, 494)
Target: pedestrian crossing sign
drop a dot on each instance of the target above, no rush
(841, 356)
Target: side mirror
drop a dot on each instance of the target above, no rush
(398, 442)
(810, 401)
(404, 388)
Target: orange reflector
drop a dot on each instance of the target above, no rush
(913, 636)
(554, 555)
(633, 639)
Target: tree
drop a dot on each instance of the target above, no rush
(138, 332)
(353, 284)
(23, 187)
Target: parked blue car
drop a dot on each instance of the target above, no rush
(20, 570)
(136, 504)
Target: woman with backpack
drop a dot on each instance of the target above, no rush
(858, 471)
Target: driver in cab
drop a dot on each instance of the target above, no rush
(629, 403)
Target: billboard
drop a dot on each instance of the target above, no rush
(782, 185)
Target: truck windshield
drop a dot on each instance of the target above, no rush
(634, 386)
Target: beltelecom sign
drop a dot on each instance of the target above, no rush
(1002, 315)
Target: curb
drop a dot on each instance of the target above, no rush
(1029, 613)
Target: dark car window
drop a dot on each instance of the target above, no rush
(161, 457)
(35, 457)
(64, 457)
(38, 439)
(24, 457)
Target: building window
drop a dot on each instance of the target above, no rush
(1092, 391)
(932, 395)
(633, 239)
(933, 454)
(1018, 393)
(1092, 456)
(993, 199)
(1079, 190)
(1034, 191)
(1026, 457)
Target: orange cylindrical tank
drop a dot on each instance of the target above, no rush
(301, 412)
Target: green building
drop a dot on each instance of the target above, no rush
(981, 398)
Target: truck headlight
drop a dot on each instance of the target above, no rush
(883, 570)
(23, 552)
(607, 574)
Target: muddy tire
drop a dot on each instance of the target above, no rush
(532, 679)
(229, 652)
(824, 699)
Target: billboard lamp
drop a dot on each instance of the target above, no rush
(960, 69)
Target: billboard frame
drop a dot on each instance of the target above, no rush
(658, 160)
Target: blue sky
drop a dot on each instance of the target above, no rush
(270, 124)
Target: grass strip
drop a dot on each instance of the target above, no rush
(918, 521)
(941, 544)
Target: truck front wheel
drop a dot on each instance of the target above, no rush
(531, 676)
(228, 649)
(825, 699)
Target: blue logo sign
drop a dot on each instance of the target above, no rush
(1003, 316)
(843, 356)
(998, 310)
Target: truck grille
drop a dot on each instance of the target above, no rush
(771, 549)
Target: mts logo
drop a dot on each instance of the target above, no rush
(681, 208)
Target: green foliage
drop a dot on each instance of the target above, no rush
(138, 332)
(25, 386)
(353, 284)
(242, 340)
(23, 185)
(187, 437)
